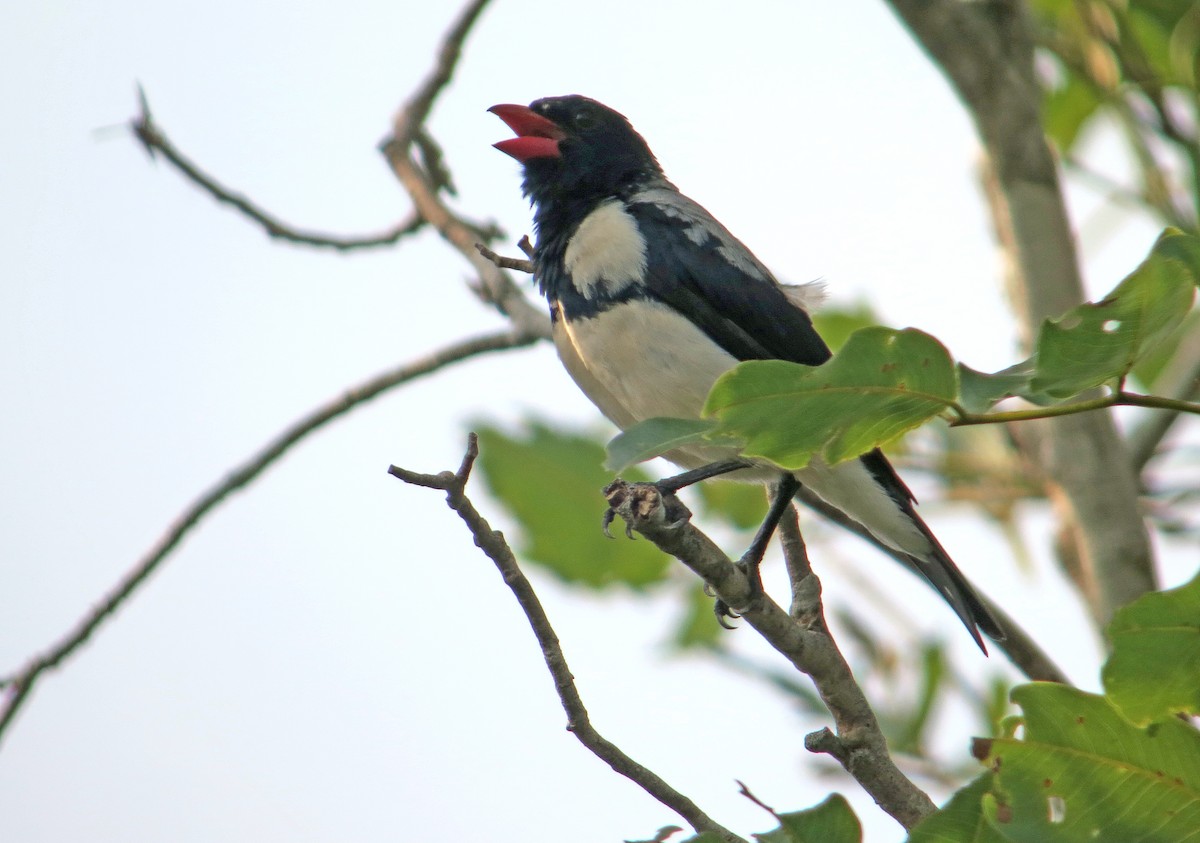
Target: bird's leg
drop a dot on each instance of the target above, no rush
(781, 497)
(671, 485)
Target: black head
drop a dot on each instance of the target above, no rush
(575, 150)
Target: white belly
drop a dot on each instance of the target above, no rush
(642, 360)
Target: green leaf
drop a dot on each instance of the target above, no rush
(880, 385)
(1095, 344)
(961, 819)
(550, 482)
(1065, 110)
(698, 628)
(1154, 669)
(744, 505)
(911, 738)
(1167, 40)
(655, 437)
(1157, 360)
(979, 391)
(832, 821)
(836, 324)
(1085, 773)
(668, 831)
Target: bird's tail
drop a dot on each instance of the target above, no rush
(941, 572)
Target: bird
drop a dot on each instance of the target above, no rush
(652, 299)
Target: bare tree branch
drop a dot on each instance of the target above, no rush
(986, 51)
(156, 144)
(801, 637)
(495, 285)
(518, 264)
(492, 543)
(18, 686)
(412, 117)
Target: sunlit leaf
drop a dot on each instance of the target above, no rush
(1154, 669)
(881, 384)
(1095, 344)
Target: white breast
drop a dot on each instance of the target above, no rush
(607, 252)
(642, 359)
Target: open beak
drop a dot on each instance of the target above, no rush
(536, 137)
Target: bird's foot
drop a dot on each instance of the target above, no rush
(751, 560)
(750, 566)
(636, 502)
(619, 492)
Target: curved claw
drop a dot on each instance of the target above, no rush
(610, 515)
(722, 611)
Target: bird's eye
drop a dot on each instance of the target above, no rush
(583, 121)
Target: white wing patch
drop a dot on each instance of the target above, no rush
(606, 253)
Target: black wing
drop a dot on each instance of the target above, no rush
(694, 265)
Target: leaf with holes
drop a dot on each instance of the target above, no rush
(1096, 344)
(1082, 772)
(880, 385)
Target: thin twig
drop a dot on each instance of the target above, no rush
(156, 143)
(495, 285)
(18, 685)
(519, 264)
(806, 604)
(858, 745)
(1115, 399)
(411, 118)
(492, 543)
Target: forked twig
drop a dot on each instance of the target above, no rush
(156, 144)
(493, 544)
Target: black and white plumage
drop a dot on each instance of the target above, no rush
(652, 300)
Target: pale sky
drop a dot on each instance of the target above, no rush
(328, 658)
